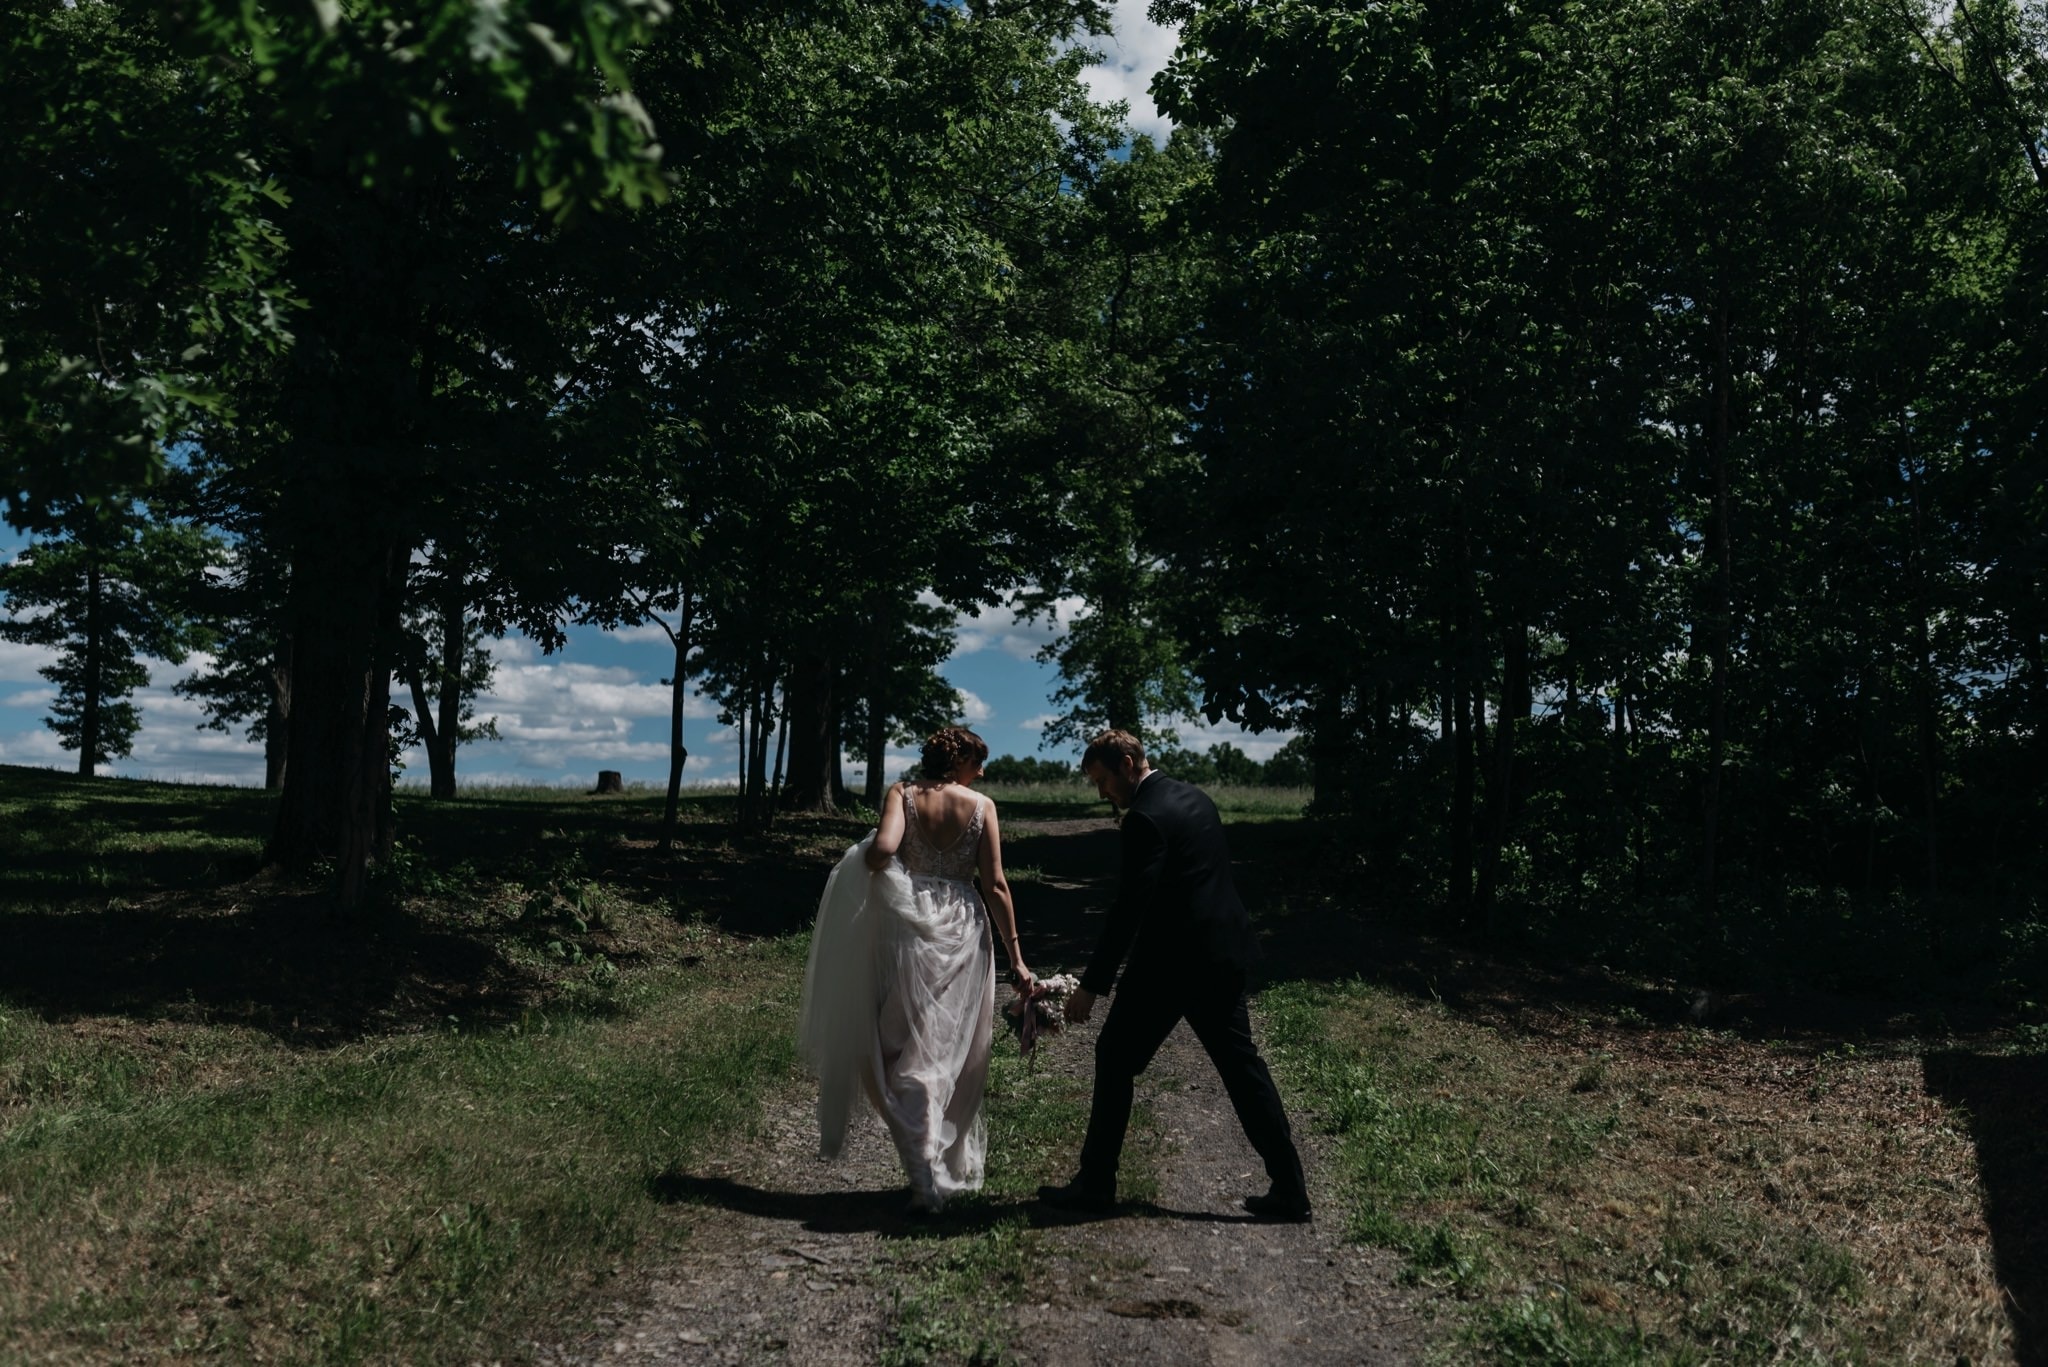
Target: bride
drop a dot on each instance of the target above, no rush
(899, 993)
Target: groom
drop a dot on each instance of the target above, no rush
(1177, 912)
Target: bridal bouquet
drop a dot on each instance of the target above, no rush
(1039, 1010)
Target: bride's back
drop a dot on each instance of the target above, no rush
(943, 828)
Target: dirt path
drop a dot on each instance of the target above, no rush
(793, 1260)
(1187, 1277)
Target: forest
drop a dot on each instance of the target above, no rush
(1607, 436)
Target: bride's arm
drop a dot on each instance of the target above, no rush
(889, 836)
(995, 889)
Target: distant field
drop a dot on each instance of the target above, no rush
(1235, 802)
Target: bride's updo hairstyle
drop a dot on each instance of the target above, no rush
(1111, 749)
(949, 747)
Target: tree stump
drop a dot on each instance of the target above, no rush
(609, 781)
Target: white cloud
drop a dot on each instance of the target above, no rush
(973, 709)
(558, 721)
(1001, 628)
(172, 745)
(579, 690)
(1039, 722)
(1131, 56)
(20, 663)
(1198, 735)
(894, 766)
(37, 747)
(645, 633)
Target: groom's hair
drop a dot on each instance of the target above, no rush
(1111, 749)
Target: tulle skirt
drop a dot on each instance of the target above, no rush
(898, 1005)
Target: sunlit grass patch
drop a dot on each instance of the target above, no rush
(1243, 802)
(66, 840)
(1234, 802)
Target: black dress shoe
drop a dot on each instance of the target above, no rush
(1073, 1196)
(1279, 1207)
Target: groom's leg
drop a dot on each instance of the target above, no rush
(1139, 1021)
(1221, 1021)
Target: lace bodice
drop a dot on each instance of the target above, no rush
(920, 855)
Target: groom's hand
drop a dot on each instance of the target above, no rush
(1079, 1003)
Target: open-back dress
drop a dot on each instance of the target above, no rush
(899, 1003)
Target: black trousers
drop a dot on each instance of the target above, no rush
(1146, 1007)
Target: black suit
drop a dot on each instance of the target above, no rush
(1180, 919)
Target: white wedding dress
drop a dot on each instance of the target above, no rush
(899, 1003)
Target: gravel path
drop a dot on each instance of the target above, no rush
(794, 1260)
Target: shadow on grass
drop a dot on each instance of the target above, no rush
(283, 967)
(112, 894)
(144, 899)
(2006, 1100)
(886, 1211)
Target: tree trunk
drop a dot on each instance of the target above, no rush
(813, 767)
(1462, 784)
(878, 719)
(454, 649)
(842, 796)
(1465, 691)
(744, 815)
(277, 720)
(336, 799)
(1514, 706)
(1720, 612)
(781, 749)
(90, 700)
(1927, 722)
(757, 761)
(1328, 769)
(423, 722)
(679, 692)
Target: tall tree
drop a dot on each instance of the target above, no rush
(114, 586)
(427, 158)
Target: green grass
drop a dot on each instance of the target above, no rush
(949, 1283)
(230, 1127)
(1588, 1210)
(398, 1199)
(1067, 801)
(1239, 803)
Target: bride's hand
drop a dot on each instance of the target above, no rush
(1025, 982)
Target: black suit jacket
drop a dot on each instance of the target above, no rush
(1177, 900)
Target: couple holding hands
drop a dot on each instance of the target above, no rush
(899, 993)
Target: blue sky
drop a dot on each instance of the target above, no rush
(599, 703)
